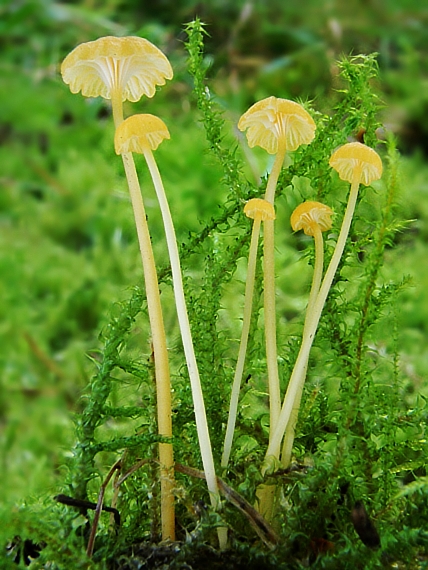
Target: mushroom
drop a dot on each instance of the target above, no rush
(121, 69)
(142, 134)
(358, 164)
(278, 126)
(259, 210)
(313, 218)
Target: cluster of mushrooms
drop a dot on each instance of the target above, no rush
(127, 68)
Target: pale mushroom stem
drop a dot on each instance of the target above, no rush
(270, 314)
(312, 324)
(269, 295)
(246, 321)
(163, 383)
(266, 493)
(287, 445)
(183, 320)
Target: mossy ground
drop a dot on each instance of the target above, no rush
(69, 266)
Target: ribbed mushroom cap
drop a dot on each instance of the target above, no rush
(310, 214)
(139, 132)
(133, 65)
(273, 120)
(357, 157)
(259, 209)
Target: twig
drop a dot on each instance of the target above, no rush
(259, 524)
(84, 505)
(99, 507)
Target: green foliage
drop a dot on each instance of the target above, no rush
(361, 434)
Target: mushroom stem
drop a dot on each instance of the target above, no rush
(287, 445)
(183, 320)
(311, 325)
(318, 270)
(266, 493)
(269, 295)
(163, 382)
(275, 172)
(117, 106)
(248, 305)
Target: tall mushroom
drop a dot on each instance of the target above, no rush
(358, 164)
(259, 210)
(278, 126)
(126, 69)
(143, 134)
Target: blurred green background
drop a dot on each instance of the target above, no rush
(68, 250)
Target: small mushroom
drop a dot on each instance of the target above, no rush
(142, 134)
(313, 218)
(358, 164)
(119, 69)
(259, 210)
(276, 125)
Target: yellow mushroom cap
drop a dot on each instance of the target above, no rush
(140, 132)
(273, 120)
(359, 157)
(310, 214)
(133, 65)
(259, 209)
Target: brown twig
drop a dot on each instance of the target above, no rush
(85, 505)
(259, 524)
(99, 507)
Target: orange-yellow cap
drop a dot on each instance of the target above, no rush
(272, 121)
(357, 160)
(139, 132)
(131, 64)
(310, 214)
(259, 209)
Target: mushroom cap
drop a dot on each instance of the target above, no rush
(133, 65)
(272, 120)
(259, 209)
(140, 132)
(310, 214)
(355, 156)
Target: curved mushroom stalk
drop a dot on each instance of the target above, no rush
(259, 210)
(278, 126)
(142, 134)
(357, 164)
(122, 69)
(313, 218)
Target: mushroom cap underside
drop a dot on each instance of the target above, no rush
(310, 214)
(274, 121)
(357, 160)
(131, 64)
